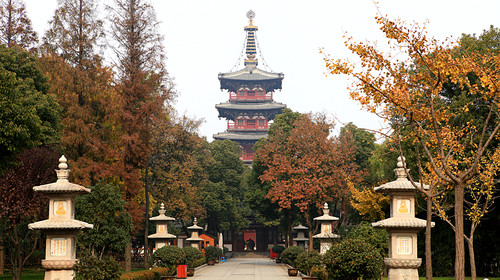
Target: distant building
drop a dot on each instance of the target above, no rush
(251, 106)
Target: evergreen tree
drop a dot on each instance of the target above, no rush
(15, 26)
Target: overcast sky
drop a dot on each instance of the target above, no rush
(204, 38)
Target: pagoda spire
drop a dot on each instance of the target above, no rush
(251, 47)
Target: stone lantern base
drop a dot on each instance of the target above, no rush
(402, 269)
(59, 274)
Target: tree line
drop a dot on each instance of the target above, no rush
(117, 125)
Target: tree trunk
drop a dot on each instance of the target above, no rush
(428, 250)
(128, 256)
(310, 232)
(146, 227)
(459, 232)
(2, 260)
(472, 259)
(289, 229)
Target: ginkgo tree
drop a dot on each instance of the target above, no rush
(406, 85)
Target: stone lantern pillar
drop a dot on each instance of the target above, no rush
(402, 227)
(195, 239)
(61, 227)
(326, 236)
(161, 237)
(301, 238)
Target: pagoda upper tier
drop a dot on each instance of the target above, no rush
(250, 107)
(250, 77)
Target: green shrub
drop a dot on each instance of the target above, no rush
(153, 274)
(353, 259)
(278, 249)
(169, 257)
(193, 255)
(319, 271)
(93, 268)
(212, 253)
(306, 260)
(375, 236)
(225, 251)
(290, 255)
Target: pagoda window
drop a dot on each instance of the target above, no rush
(262, 124)
(251, 123)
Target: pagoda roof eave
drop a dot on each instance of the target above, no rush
(240, 136)
(249, 76)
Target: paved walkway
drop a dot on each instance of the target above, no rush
(244, 269)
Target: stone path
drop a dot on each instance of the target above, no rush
(244, 269)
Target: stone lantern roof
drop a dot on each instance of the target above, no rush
(401, 184)
(326, 215)
(300, 227)
(163, 219)
(162, 216)
(62, 185)
(195, 230)
(326, 218)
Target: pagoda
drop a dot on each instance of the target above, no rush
(251, 106)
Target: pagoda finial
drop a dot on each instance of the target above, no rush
(251, 49)
(326, 211)
(400, 170)
(63, 172)
(162, 209)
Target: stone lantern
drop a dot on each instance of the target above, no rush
(326, 236)
(61, 227)
(161, 236)
(195, 239)
(402, 227)
(301, 238)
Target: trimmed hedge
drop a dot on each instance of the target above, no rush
(352, 259)
(194, 257)
(290, 254)
(152, 274)
(93, 268)
(307, 260)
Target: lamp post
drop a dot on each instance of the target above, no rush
(301, 238)
(402, 227)
(326, 236)
(61, 227)
(195, 239)
(161, 237)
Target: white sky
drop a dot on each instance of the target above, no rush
(204, 38)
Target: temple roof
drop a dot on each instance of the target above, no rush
(241, 136)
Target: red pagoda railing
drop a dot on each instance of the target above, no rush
(248, 125)
(250, 95)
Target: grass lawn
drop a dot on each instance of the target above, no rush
(28, 274)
